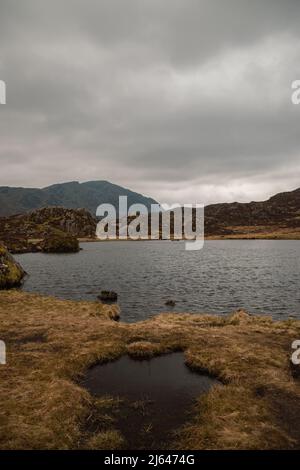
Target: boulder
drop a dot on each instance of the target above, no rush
(11, 273)
(170, 303)
(108, 296)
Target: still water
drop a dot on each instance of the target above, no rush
(262, 276)
(156, 396)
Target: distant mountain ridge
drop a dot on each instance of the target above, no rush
(71, 195)
(276, 218)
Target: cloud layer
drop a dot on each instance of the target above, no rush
(183, 100)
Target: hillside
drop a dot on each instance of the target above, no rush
(278, 217)
(71, 195)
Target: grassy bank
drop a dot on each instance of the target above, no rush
(51, 342)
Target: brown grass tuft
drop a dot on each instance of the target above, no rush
(51, 342)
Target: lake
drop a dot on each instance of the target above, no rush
(261, 276)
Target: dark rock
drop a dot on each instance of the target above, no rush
(170, 303)
(295, 370)
(108, 296)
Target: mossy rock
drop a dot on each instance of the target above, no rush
(170, 303)
(108, 296)
(60, 243)
(11, 273)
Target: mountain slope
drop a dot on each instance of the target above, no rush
(280, 213)
(276, 218)
(71, 195)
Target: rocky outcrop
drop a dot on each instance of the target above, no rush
(59, 242)
(281, 211)
(278, 217)
(77, 222)
(108, 296)
(36, 224)
(11, 273)
(170, 303)
(21, 232)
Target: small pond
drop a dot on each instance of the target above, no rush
(157, 396)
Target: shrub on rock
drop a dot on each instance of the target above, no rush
(108, 296)
(59, 242)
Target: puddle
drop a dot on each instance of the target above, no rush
(158, 396)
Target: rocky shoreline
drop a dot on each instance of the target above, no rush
(22, 246)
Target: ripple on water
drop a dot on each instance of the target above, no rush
(261, 276)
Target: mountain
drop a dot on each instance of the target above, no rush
(71, 195)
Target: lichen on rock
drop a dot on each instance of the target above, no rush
(11, 273)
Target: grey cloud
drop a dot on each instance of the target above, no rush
(108, 89)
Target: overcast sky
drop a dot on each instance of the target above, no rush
(182, 100)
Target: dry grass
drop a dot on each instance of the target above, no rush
(51, 342)
(259, 233)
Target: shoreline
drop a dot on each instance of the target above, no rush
(295, 237)
(276, 235)
(32, 245)
(51, 342)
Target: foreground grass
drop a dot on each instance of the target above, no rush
(51, 342)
